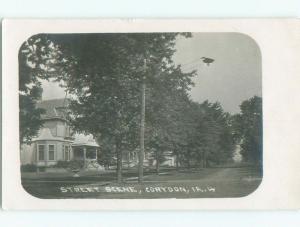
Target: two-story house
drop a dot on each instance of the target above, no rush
(56, 142)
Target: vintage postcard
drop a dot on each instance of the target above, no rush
(151, 114)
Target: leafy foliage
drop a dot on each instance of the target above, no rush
(105, 81)
(73, 165)
(211, 141)
(107, 154)
(248, 129)
(39, 59)
(28, 168)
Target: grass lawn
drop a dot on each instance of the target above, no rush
(200, 183)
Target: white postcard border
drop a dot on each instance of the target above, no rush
(279, 41)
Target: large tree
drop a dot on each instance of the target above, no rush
(211, 140)
(168, 122)
(248, 129)
(105, 81)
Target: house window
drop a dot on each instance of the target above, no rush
(67, 131)
(41, 152)
(67, 152)
(51, 153)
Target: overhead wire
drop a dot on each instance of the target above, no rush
(190, 64)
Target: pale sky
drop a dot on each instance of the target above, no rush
(233, 77)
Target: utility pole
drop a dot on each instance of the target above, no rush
(142, 132)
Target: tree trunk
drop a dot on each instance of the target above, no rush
(157, 163)
(128, 160)
(188, 163)
(204, 160)
(119, 162)
(142, 133)
(177, 161)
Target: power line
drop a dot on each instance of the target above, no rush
(192, 67)
(190, 62)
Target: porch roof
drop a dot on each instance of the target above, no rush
(84, 140)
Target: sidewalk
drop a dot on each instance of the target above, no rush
(67, 174)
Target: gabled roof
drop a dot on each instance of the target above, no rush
(55, 108)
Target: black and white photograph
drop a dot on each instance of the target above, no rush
(140, 115)
(130, 113)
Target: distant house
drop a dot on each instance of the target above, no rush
(56, 141)
(130, 158)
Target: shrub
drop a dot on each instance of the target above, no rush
(62, 164)
(41, 168)
(29, 168)
(73, 165)
(76, 164)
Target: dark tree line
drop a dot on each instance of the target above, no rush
(103, 73)
(248, 129)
